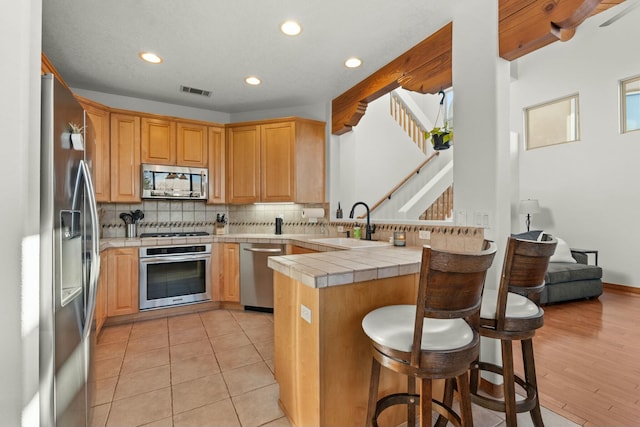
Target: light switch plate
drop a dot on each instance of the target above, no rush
(305, 313)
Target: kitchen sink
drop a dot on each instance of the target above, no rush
(349, 243)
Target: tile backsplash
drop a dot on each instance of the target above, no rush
(176, 216)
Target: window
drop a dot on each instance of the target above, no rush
(553, 122)
(630, 104)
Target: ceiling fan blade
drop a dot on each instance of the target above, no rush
(619, 15)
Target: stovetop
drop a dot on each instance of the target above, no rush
(175, 234)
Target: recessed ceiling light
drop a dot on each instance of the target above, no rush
(150, 57)
(252, 80)
(291, 28)
(353, 62)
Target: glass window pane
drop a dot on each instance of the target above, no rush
(552, 123)
(630, 104)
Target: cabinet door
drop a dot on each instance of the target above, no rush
(217, 271)
(97, 145)
(101, 295)
(123, 288)
(243, 165)
(231, 272)
(125, 158)
(217, 159)
(192, 145)
(158, 141)
(277, 162)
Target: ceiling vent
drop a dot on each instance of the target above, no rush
(193, 90)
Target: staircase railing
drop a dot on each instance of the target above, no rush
(442, 208)
(401, 183)
(407, 121)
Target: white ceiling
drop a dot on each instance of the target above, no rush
(213, 45)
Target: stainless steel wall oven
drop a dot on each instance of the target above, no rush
(174, 275)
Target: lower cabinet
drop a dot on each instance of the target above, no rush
(122, 279)
(225, 276)
(297, 250)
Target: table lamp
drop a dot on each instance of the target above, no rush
(528, 207)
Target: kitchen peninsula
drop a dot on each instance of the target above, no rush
(322, 357)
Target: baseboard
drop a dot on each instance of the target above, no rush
(621, 288)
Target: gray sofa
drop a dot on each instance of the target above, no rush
(566, 281)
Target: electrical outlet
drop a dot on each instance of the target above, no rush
(424, 234)
(340, 229)
(305, 313)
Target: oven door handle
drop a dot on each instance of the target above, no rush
(180, 258)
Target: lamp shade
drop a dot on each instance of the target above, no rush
(529, 206)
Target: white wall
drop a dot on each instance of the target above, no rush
(20, 30)
(371, 159)
(154, 107)
(588, 190)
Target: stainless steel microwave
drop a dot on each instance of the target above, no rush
(173, 182)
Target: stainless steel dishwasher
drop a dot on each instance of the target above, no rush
(256, 278)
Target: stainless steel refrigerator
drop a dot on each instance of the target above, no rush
(69, 260)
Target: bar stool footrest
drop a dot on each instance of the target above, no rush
(414, 399)
(523, 405)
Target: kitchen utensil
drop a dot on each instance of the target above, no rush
(127, 218)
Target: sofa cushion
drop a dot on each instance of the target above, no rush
(562, 253)
(559, 272)
(529, 235)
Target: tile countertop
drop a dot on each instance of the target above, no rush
(332, 265)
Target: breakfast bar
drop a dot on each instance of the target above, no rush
(322, 357)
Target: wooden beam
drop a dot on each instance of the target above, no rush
(528, 25)
(425, 68)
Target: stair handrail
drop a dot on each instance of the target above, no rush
(403, 108)
(401, 183)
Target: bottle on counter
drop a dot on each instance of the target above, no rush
(339, 212)
(357, 232)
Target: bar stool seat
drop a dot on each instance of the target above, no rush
(437, 338)
(392, 326)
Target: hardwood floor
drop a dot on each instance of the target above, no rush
(588, 360)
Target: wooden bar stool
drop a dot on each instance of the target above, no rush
(435, 339)
(513, 313)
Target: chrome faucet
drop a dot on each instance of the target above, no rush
(369, 230)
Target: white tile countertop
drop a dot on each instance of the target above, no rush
(336, 262)
(322, 269)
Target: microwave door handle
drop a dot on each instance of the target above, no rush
(203, 183)
(95, 249)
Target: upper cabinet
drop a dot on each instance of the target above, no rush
(158, 139)
(192, 145)
(125, 158)
(276, 161)
(97, 145)
(217, 165)
(169, 142)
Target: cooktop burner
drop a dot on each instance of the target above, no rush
(175, 234)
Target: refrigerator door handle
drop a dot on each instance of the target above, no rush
(95, 249)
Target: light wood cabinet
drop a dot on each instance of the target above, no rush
(225, 274)
(231, 272)
(217, 165)
(123, 286)
(298, 250)
(125, 158)
(158, 141)
(277, 173)
(191, 148)
(101, 294)
(243, 164)
(279, 160)
(98, 147)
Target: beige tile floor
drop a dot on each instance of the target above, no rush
(203, 370)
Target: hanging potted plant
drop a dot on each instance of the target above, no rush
(440, 136)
